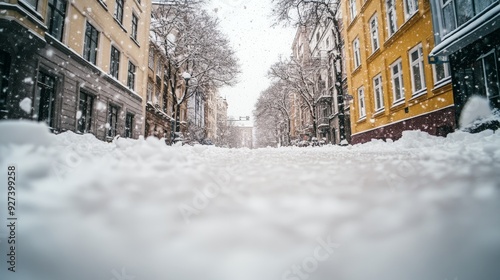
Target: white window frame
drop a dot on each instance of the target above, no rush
(447, 74)
(420, 63)
(361, 103)
(352, 9)
(450, 4)
(411, 8)
(396, 100)
(357, 53)
(374, 35)
(391, 10)
(378, 93)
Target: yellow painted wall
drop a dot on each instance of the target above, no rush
(411, 32)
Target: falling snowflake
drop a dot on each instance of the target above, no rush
(25, 104)
(101, 106)
(28, 80)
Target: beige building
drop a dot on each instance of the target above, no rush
(86, 74)
(211, 114)
(222, 127)
(300, 117)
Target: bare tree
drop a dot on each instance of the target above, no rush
(272, 115)
(198, 54)
(300, 77)
(312, 13)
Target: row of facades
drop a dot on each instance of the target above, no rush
(90, 66)
(407, 65)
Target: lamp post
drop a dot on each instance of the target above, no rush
(175, 123)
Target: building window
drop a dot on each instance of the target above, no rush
(378, 93)
(411, 8)
(157, 95)
(441, 72)
(151, 59)
(129, 125)
(488, 68)
(131, 76)
(362, 105)
(352, 9)
(91, 44)
(119, 11)
(32, 3)
(135, 22)
(397, 82)
(449, 21)
(159, 68)
(150, 92)
(392, 25)
(417, 70)
(45, 90)
(457, 12)
(56, 16)
(112, 124)
(374, 33)
(85, 112)
(4, 82)
(115, 62)
(357, 53)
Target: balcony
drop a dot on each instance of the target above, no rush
(323, 122)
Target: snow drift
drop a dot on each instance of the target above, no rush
(422, 207)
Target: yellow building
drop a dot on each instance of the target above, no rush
(394, 88)
(76, 65)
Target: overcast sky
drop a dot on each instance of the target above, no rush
(257, 45)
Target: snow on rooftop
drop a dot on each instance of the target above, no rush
(422, 207)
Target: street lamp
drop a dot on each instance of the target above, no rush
(175, 123)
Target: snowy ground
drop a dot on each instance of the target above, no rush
(419, 208)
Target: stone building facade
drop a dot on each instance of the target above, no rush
(86, 74)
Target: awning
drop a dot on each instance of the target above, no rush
(467, 34)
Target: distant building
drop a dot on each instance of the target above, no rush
(393, 86)
(76, 65)
(222, 128)
(159, 100)
(211, 114)
(165, 118)
(196, 116)
(467, 34)
(332, 112)
(244, 137)
(300, 116)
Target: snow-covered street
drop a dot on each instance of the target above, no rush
(422, 207)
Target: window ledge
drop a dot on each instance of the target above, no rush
(135, 41)
(120, 24)
(402, 29)
(103, 4)
(353, 21)
(419, 93)
(139, 6)
(397, 104)
(379, 112)
(442, 83)
(32, 9)
(373, 55)
(410, 16)
(362, 119)
(357, 69)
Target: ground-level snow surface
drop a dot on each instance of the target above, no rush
(419, 208)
